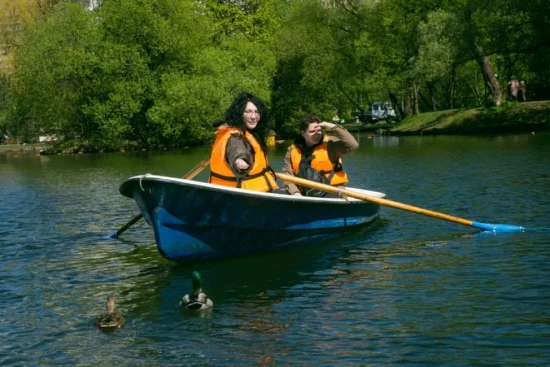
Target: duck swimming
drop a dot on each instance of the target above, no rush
(198, 300)
(111, 318)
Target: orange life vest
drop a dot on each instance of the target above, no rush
(260, 176)
(321, 163)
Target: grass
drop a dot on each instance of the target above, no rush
(510, 117)
(21, 147)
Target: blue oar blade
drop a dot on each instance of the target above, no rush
(498, 227)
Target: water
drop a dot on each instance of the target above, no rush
(409, 290)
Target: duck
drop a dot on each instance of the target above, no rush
(198, 300)
(110, 319)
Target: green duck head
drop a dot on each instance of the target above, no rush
(197, 300)
(196, 282)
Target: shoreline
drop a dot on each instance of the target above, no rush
(526, 117)
(21, 147)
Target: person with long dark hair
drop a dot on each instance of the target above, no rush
(239, 154)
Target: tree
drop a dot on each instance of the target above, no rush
(232, 54)
(15, 16)
(489, 28)
(316, 69)
(52, 66)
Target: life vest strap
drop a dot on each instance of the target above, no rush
(239, 180)
(222, 177)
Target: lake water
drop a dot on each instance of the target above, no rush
(408, 290)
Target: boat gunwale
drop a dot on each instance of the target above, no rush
(265, 195)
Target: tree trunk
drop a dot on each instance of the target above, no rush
(491, 81)
(452, 95)
(399, 113)
(433, 98)
(451, 89)
(407, 108)
(416, 88)
(475, 91)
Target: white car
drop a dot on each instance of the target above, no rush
(382, 111)
(378, 111)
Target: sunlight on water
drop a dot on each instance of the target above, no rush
(408, 289)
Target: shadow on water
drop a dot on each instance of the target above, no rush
(245, 282)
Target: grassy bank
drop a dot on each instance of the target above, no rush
(21, 147)
(511, 117)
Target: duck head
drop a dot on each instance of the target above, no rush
(198, 300)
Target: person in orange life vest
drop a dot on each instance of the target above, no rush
(316, 156)
(239, 154)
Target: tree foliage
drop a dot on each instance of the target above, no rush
(158, 72)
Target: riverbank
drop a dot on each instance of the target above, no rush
(48, 150)
(21, 147)
(524, 117)
(509, 118)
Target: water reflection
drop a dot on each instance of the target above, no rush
(409, 290)
(385, 141)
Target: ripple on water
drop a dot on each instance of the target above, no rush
(409, 290)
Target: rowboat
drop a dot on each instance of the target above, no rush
(197, 221)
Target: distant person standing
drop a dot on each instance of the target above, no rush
(514, 87)
(522, 91)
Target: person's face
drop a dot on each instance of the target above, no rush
(251, 116)
(312, 135)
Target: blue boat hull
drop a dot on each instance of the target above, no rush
(196, 221)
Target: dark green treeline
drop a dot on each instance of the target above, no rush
(158, 72)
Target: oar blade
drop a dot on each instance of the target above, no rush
(498, 227)
(126, 226)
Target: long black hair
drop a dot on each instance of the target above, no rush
(234, 117)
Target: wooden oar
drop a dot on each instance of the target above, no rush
(397, 205)
(189, 176)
